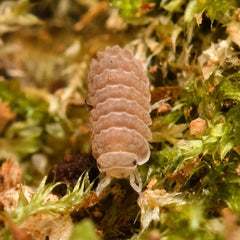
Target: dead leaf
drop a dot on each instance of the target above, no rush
(231, 220)
(5, 115)
(10, 175)
(183, 174)
(158, 93)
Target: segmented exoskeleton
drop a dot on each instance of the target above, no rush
(119, 119)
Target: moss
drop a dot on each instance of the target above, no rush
(191, 53)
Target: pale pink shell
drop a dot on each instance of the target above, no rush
(119, 120)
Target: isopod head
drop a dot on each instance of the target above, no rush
(117, 164)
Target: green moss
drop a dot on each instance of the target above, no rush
(84, 230)
(130, 10)
(219, 10)
(66, 204)
(191, 45)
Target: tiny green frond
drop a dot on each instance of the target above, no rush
(17, 12)
(215, 10)
(128, 9)
(40, 203)
(172, 5)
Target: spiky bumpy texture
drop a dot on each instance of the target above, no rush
(119, 120)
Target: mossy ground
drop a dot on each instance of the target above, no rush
(191, 53)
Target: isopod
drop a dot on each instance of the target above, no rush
(119, 119)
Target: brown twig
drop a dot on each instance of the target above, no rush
(87, 17)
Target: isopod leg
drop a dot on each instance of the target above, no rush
(135, 177)
(102, 184)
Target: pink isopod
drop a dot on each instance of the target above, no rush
(119, 119)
